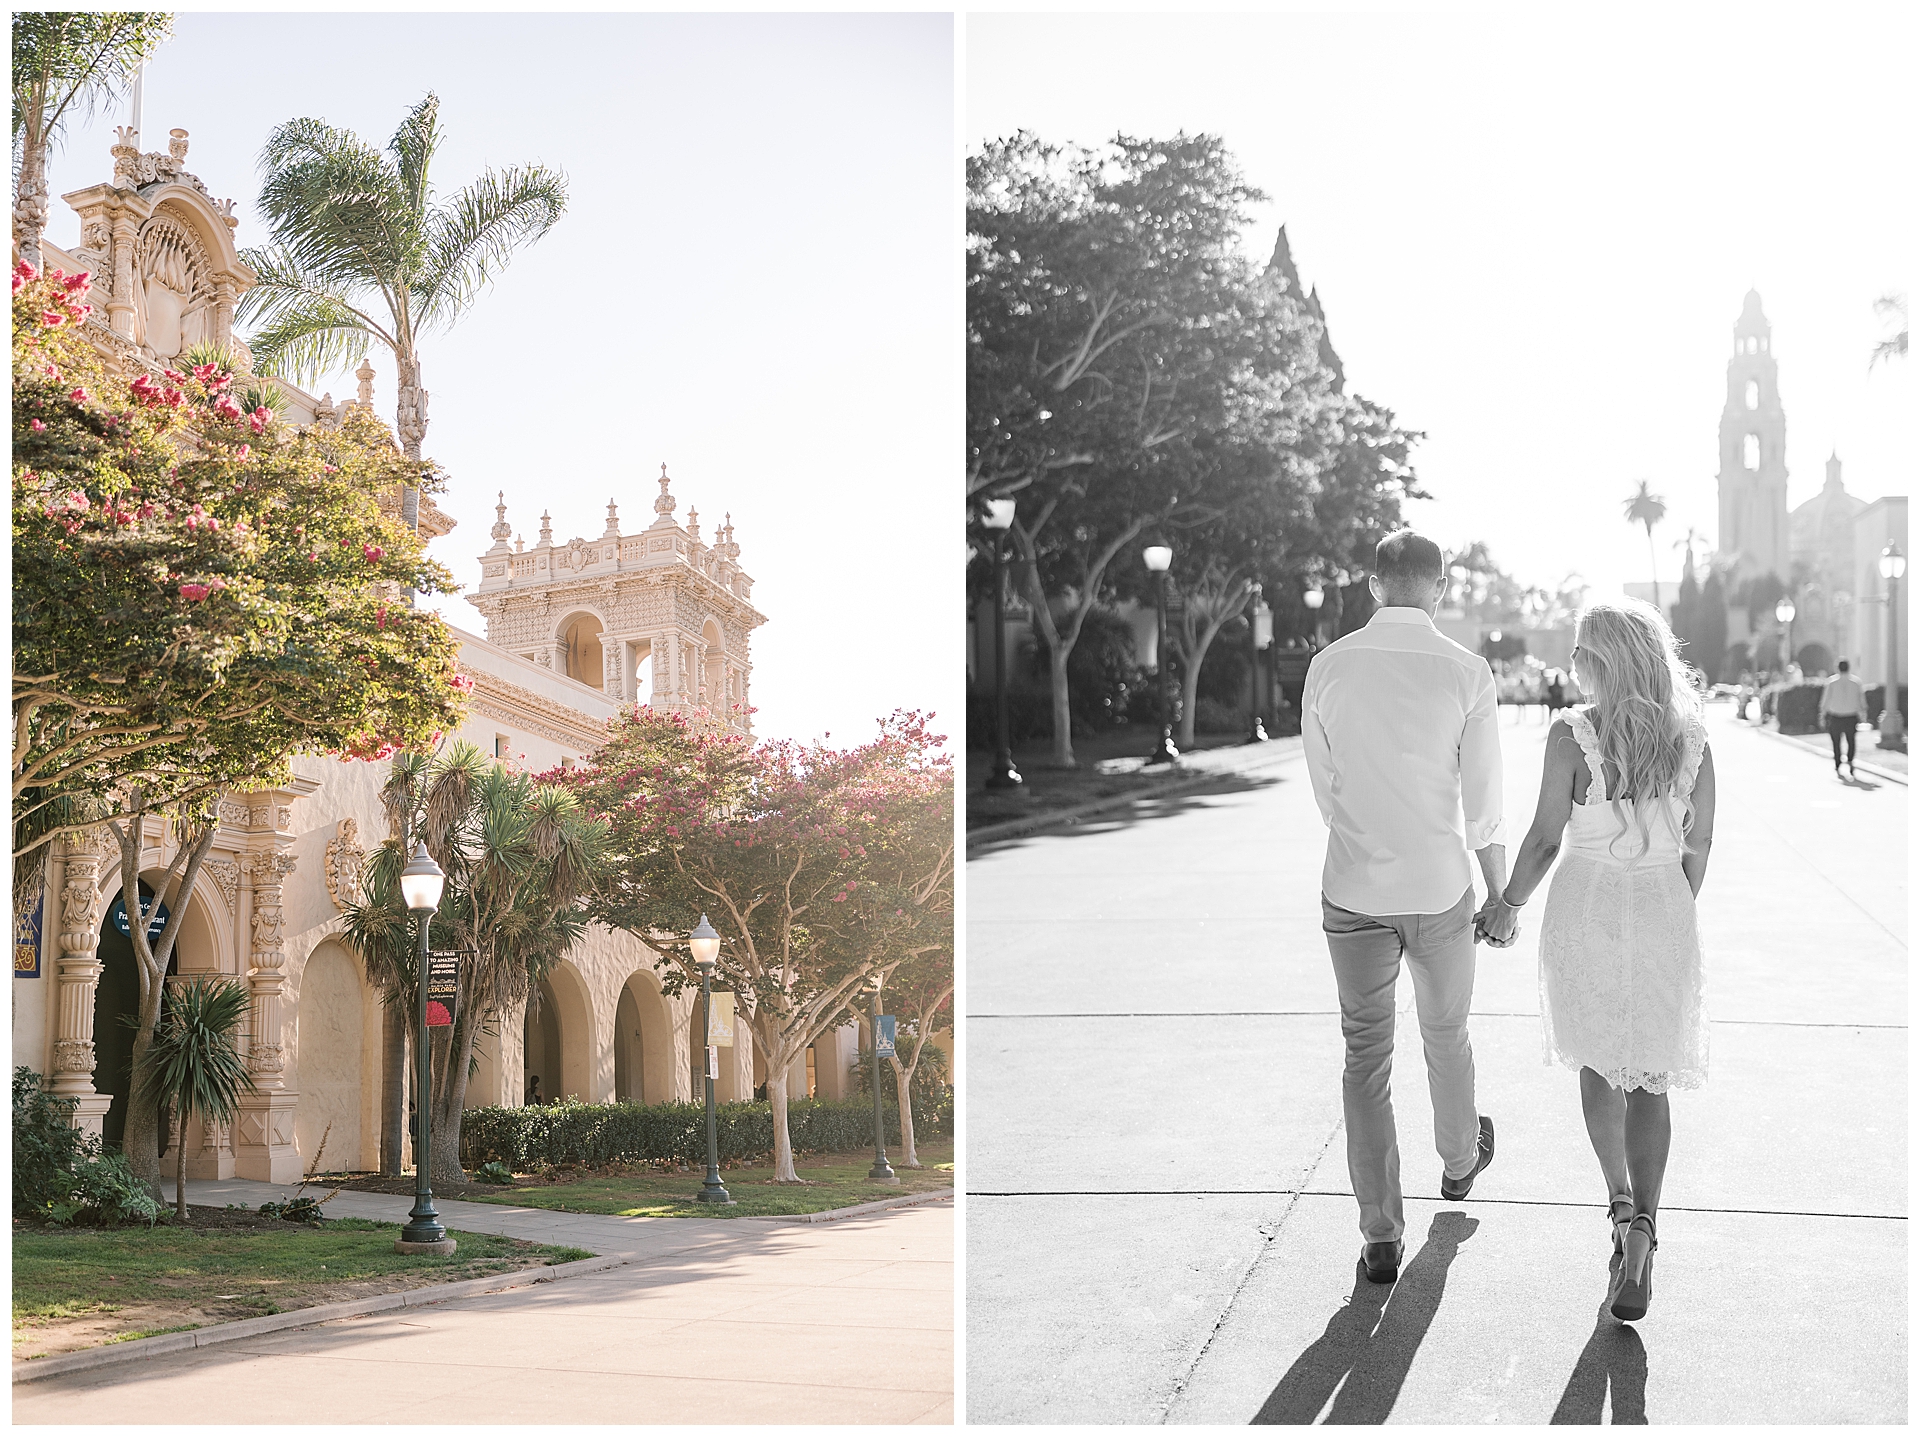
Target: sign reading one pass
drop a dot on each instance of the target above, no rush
(443, 988)
(885, 1045)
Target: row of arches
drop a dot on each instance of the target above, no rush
(582, 657)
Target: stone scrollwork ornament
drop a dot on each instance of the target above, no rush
(345, 858)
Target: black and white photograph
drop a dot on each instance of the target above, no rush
(1436, 814)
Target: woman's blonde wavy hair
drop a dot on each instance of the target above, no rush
(1644, 701)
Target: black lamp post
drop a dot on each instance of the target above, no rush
(705, 944)
(1158, 557)
(1313, 599)
(1784, 612)
(881, 1171)
(421, 883)
(1259, 635)
(1893, 564)
(1003, 774)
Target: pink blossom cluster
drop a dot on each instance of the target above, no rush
(215, 379)
(461, 683)
(196, 592)
(153, 395)
(68, 298)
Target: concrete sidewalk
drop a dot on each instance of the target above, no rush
(733, 1321)
(1168, 1234)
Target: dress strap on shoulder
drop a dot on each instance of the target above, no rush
(1580, 720)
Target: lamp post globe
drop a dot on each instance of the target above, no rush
(1784, 612)
(422, 882)
(704, 943)
(1893, 565)
(1002, 774)
(1313, 598)
(1259, 635)
(1158, 557)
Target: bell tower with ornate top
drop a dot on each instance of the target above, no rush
(660, 617)
(1753, 452)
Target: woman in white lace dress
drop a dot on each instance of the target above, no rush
(1626, 804)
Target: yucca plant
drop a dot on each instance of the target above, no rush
(193, 1063)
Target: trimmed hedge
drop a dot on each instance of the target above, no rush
(592, 1134)
(1799, 708)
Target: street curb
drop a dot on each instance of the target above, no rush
(1888, 775)
(993, 833)
(32, 1369)
(834, 1214)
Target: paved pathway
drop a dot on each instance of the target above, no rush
(1159, 1222)
(736, 1321)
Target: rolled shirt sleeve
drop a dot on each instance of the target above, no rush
(1481, 795)
(1319, 756)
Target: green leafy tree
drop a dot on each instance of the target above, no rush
(199, 595)
(920, 994)
(819, 867)
(362, 252)
(66, 63)
(193, 1063)
(1645, 507)
(1710, 630)
(522, 859)
(1891, 308)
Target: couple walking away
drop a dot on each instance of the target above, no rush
(1403, 747)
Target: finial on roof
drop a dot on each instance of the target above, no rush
(546, 529)
(502, 530)
(365, 375)
(663, 505)
(693, 525)
(519, 544)
(613, 521)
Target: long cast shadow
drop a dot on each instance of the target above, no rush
(1614, 1356)
(1370, 1343)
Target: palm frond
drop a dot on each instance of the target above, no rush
(193, 1061)
(476, 231)
(413, 146)
(337, 206)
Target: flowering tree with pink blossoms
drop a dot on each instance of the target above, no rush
(813, 863)
(199, 594)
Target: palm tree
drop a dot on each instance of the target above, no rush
(1646, 507)
(66, 63)
(1894, 346)
(361, 252)
(193, 1064)
(520, 858)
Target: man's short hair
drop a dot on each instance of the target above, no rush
(1844, 666)
(1405, 559)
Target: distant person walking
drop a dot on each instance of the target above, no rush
(1626, 803)
(1402, 740)
(1842, 705)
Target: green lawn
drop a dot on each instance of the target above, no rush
(78, 1287)
(830, 1180)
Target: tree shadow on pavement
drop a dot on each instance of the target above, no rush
(1129, 811)
(1370, 1343)
(1614, 1356)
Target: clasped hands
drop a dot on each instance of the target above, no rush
(1496, 924)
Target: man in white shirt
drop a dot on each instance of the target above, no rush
(1403, 746)
(1842, 701)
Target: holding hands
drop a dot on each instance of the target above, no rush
(1497, 923)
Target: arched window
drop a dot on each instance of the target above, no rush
(1753, 394)
(1751, 458)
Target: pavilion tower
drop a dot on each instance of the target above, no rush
(661, 616)
(1753, 452)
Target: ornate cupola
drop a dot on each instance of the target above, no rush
(657, 616)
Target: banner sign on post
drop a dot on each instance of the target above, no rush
(713, 1063)
(720, 1025)
(26, 938)
(443, 987)
(884, 1048)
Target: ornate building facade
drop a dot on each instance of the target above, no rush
(575, 631)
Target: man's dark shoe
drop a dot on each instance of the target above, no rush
(1454, 1189)
(1382, 1260)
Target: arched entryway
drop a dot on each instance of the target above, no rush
(580, 646)
(333, 1022)
(642, 1042)
(558, 1038)
(116, 1005)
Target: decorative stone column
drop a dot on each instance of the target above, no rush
(126, 235)
(86, 857)
(263, 1137)
(225, 293)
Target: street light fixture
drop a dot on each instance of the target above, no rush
(705, 944)
(421, 883)
(881, 1171)
(1259, 635)
(1313, 599)
(997, 520)
(1893, 565)
(1784, 612)
(1158, 557)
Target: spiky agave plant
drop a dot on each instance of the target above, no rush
(194, 1063)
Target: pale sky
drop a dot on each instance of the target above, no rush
(756, 282)
(1532, 233)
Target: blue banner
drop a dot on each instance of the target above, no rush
(26, 938)
(885, 1045)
